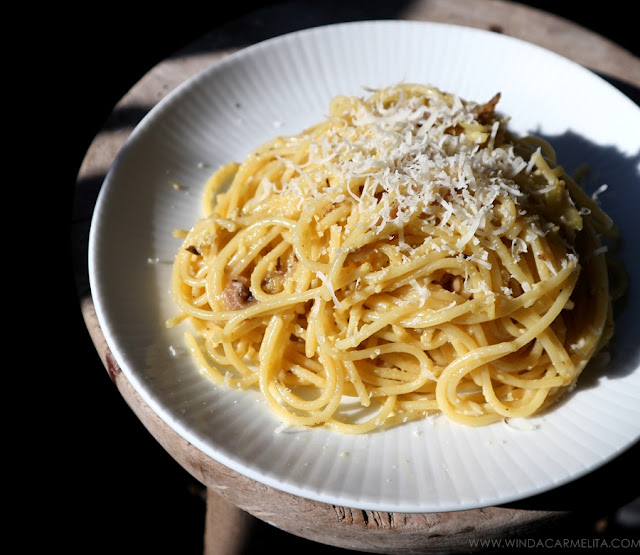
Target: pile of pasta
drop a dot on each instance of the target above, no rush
(406, 256)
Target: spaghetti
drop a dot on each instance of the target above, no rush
(406, 256)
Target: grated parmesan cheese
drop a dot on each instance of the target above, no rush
(408, 162)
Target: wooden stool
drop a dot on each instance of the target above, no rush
(233, 499)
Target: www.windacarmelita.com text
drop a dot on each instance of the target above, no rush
(557, 543)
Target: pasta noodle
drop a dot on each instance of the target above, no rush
(406, 256)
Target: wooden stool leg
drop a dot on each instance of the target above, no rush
(227, 528)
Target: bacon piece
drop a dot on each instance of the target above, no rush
(487, 108)
(237, 295)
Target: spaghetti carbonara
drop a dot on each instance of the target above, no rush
(406, 256)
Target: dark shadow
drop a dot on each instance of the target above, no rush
(287, 17)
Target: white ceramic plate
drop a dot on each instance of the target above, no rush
(281, 86)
